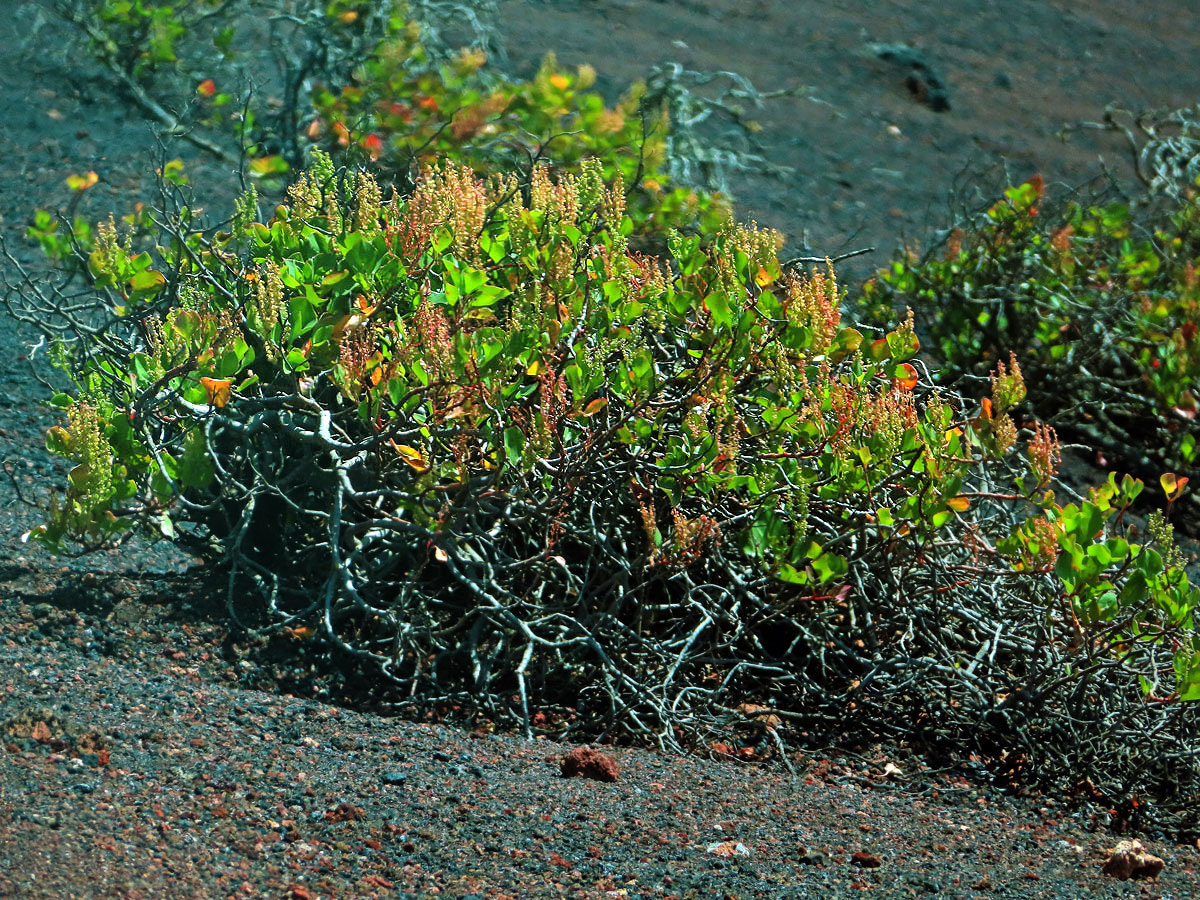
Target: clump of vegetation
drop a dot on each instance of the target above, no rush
(377, 81)
(1100, 301)
(475, 442)
(460, 430)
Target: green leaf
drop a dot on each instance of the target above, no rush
(1133, 592)
(268, 165)
(58, 441)
(829, 566)
(514, 444)
(717, 304)
(184, 322)
(147, 282)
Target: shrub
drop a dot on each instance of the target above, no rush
(401, 111)
(1101, 303)
(473, 441)
(358, 80)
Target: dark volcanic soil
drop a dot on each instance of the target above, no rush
(145, 754)
(872, 162)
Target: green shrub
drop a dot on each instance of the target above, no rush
(469, 438)
(402, 110)
(357, 79)
(1101, 305)
(477, 444)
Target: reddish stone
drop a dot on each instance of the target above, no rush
(585, 762)
(866, 860)
(1129, 859)
(345, 812)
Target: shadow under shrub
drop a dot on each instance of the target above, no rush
(471, 440)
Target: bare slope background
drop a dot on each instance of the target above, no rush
(872, 162)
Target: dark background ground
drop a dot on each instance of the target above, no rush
(1018, 72)
(214, 789)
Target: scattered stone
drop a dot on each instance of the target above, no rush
(395, 777)
(585, 762)
(812, 857)
(728, 848)
(345, 812)
(760, 714)
(920, 79)
(1129, 859)
(865, 860)
(43, 727)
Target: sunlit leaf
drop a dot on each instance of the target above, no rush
(82, 182)
(1172, 485)
(412, 456)
(905, 377)
(146, 282)
(217, 389)
(268, 165)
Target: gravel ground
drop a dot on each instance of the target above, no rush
(144, 753)
(155, 774)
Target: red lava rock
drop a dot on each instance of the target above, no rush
(585, 762)
(1129, 859)
(345, 812)
(866, 860)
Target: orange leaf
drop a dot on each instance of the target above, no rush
(412, 456)
(217, 389)
(763, 278)
(373, 145)
(206, 88)
(986, 405)
(595, 406)
(959, 503)
(908, 381)
(1172, 485)
(82, 182)
(560, 81)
